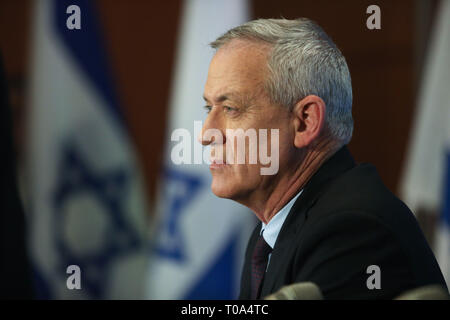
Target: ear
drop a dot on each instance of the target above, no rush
(309, 120)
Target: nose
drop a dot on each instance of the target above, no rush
(204, 141)
(209, 133)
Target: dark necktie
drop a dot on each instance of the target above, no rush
(259, 264)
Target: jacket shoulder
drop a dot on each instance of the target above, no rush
(357, 222)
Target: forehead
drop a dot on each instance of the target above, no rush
(239, 66)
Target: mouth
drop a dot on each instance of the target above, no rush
(217, 164)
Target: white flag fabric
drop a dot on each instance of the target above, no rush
(199, 250)
(87, 212)
(426, 180)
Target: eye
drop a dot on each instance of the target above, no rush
(208, 109)
(229, 109)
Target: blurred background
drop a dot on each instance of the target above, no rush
(88, 114)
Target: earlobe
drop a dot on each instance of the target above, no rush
(309, 119)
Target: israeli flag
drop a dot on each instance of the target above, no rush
(201, 239)
(87, 213)
(426, 181)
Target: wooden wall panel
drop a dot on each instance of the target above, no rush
(381, 63)
(141, 36)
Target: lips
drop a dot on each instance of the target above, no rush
(216, 164)
(217, 161)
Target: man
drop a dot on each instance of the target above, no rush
(323, 218)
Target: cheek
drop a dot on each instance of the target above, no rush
(285, 145)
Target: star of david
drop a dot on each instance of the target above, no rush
(110, 190)
(184, 188)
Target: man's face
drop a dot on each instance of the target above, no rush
(236, 99)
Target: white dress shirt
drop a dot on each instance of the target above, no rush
(271, 230)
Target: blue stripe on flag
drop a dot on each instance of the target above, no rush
(218, 282)
(87, 49)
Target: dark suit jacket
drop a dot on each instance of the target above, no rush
(344, 221)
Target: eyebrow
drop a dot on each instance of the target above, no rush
(221, 98)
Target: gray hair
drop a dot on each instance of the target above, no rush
(303, 61)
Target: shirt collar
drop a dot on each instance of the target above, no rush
(271, 230)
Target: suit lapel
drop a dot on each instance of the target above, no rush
(340, 162)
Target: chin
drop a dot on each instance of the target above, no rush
(228, 190)
(221, 190)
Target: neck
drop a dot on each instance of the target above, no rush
(294, 180)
